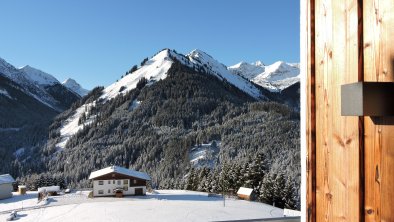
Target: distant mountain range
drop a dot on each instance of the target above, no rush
(275, 77)
(42, 86)
(29, 101)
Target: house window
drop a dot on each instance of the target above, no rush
(101, 192)
(135, 181)
(109, 191)
(101, 182)
(109, 182)
(113, 181)
(125, 182)
(125, 188)
(119, 182)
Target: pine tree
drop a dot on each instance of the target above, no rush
(267, 189)
(208, 183)
(244, 174)
(201, 179)
(191, 178)
(215, 187)
(289, 194)
(144, 61)
(278, 189)
(224, 177)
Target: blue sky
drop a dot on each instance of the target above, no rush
(97, 41)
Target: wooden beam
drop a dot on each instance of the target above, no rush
(378, 19)
(311, 117)
(360, 45)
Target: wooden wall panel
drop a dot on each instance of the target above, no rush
(378, 19)
(337, 137)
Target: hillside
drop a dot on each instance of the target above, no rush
(151, 120)
(29, 101)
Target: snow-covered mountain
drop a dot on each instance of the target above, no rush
(247, 70)
(200, 59)
(40, 85)
(157, 67)
(163, 117)
(39, 77)
(275, 77)
(72, 85)
(153, 70)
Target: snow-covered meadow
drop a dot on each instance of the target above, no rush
(162, 205)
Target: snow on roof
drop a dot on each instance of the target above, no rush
(49, 189)
(120, 170)
(6, 178)
(245, 191)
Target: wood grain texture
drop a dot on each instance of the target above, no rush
(337, 137)
(311, 118)
(378, 19)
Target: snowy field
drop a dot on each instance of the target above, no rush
(163, 205)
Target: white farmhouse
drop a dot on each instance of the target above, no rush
(6, 188)
(118, 181)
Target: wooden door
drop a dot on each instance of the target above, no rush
(139, 191)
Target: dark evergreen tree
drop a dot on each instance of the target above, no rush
(191, 180)
(144, 61)
(267, 189)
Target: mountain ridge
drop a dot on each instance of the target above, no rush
(40, 85)
(275, 77)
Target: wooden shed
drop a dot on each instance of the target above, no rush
(22, 189)
(350, 159)
(246, 193)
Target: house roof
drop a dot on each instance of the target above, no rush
(6, 178)
(49, 189)
(120, 170)
(245, 191)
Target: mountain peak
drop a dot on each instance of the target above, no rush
(156, 68)
(38, 76)
(200, 55)
(258, 63)
(7, 69)
(197, 52)
(202, 58)
(72, 85)
(247, 70)
(278, 67)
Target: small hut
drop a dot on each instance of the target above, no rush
(22, 189)
(246, 193)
